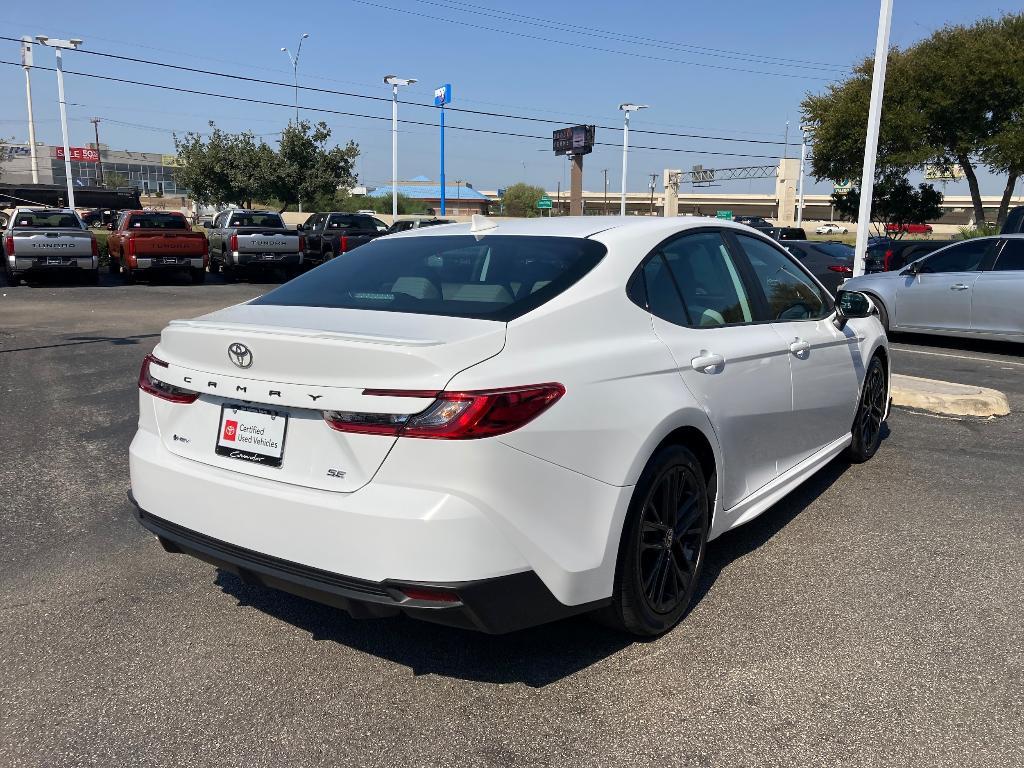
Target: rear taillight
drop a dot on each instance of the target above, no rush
(841, 269)
(302, 243)
(428, 594)
(343, 244)
(162, 389)
(9, 245)
(886, 260)
(453, 415)
(95, 247)
(129, 251)
(234, 242)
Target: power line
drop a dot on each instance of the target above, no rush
(479, 113)
(630, 39)
(589, 47)
(264, 102)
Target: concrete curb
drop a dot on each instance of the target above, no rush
(948, 398)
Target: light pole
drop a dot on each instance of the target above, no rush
(626, 108)
(295, 71)
(394, 81)
(653, 177)
(605, 172)
(26, 64)
(804, 130)
(99, 160)
(58, 46)
(867, 177)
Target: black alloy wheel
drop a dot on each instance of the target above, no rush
(671, 533)
(867, 424)
(661, 552)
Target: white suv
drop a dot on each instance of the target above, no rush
(493, 426)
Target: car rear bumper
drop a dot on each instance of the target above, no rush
(257, 261)
(160, 263)
(495, 605)
(22, 266)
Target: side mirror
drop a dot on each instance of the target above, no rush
(207, 225)
(913, 269)
(300, 228)
(851, 305)
(110, 226)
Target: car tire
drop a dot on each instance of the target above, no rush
(198, 276)
(214, 266)
(661, 554)
(129, 275)
(867, 424)
(229, 273)
(328, 255)
(114, 267)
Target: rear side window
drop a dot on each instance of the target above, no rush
(494, 278)
(47, 220)
(157, 221)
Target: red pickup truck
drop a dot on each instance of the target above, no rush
(150, 242)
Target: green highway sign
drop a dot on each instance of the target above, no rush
(724, 215)
(544, 202)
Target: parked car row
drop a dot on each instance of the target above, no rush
(144, 244)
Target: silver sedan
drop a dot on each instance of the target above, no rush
(973, 289)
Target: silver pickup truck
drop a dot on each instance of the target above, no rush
(242, 242)
(47, 240)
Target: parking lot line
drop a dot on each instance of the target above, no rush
(995, 360)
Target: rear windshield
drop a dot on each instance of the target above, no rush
(498, 277)
(256, 220)
(838, 250)
(346, 221)
(47, 220)
(157, 221)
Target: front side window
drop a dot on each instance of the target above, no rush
(962, 257)
(1011, 258)
(791, 294)
(499, 277)
(708, 280)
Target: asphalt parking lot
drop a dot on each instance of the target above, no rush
(875, 617)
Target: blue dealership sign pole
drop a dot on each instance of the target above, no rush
(442, 96)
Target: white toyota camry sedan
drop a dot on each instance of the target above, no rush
(494, 425)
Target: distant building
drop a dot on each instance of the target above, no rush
(151, 173)
(460, 198)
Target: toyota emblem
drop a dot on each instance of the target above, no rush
(240, 355)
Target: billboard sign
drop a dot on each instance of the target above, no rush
(578, 140)
(443, 95)
(943, 173)
(78, 154)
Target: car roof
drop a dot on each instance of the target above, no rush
(578, 226)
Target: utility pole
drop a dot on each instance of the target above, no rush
(867, 178)
(58, 46)
(626, 108)
(558, 202)
(99, 158)
(26, 64)
(785, 152)
(653, 177)
(605, 172)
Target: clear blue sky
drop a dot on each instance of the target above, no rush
(572, 62)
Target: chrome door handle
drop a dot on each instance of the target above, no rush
(707, 363)
(800, 347)
(959, 287)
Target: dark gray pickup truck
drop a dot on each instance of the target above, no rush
(330, 234)
(48, 240)
(243, 242)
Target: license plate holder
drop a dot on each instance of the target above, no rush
(54, 261)
(268, 256)
(252, 434)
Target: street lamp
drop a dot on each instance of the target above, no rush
(58, 46)
(395, 81)
(295, 71)
(805, 130)
(626, 108)
(26, 64)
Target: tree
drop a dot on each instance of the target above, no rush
(895, 202)
(521, 200)
(306, 169)
(955, 98)
(114, 179)
(226, 167)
